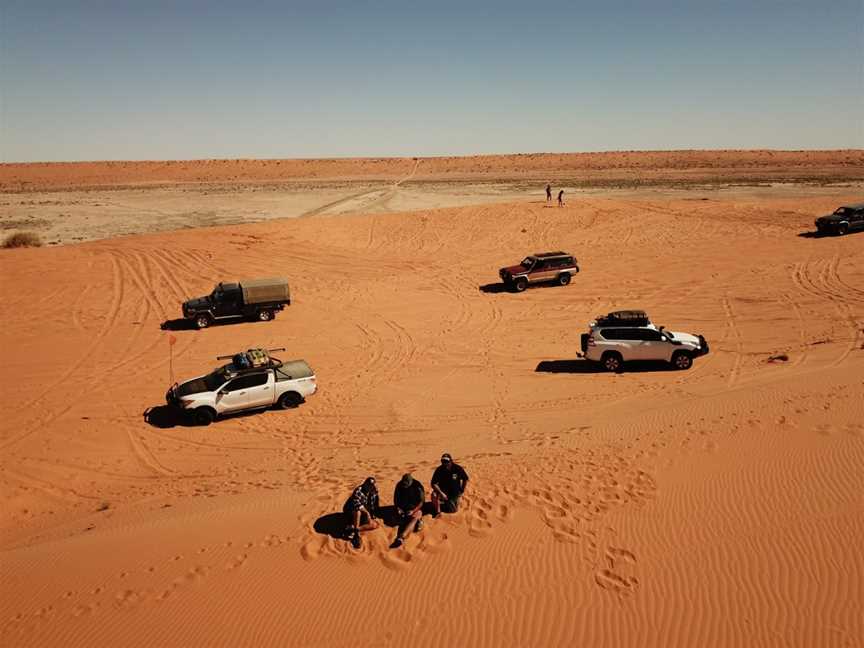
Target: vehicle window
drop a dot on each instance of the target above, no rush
(258, 379)
(214, 380)
(841, 211)
(244, 382)
(567, 262)
(540, 265)
(649, 335)
(527, 262)
(617, 334)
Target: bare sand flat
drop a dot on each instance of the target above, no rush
(719, 506)
(75, 202)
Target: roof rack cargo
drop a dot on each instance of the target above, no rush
(624, 318)
(257, 358)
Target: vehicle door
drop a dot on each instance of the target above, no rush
(856, 221)
(651, 345)
(236, 394)
(542, 270)
(621, 340)
(261, 391)
(229, 302)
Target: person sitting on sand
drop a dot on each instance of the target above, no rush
(408, 497)
(361, 509)
(548, 193)
(448, 484)
(561, 198)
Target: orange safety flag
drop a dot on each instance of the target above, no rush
(172, 340)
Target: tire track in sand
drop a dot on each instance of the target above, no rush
(109, 323)
(739, 345)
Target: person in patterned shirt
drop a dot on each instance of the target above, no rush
(361, 509)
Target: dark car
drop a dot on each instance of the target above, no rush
(257, 299)
(558, 267)
(844, 219)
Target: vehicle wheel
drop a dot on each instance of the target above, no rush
(265, 315)
(202, 321)
(289, 400)
(842, 229)
(612, 361)
(682, 360)
(520, 284)
(563, 279)
(204, 416)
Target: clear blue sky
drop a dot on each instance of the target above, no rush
(109, 79)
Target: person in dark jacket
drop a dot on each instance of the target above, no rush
(448, 483)
(561, 198)
(548, 193)
(361, 509)
(408, 497)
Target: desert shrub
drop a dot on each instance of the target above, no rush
(22, 239)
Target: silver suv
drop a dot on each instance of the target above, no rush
(624, 336)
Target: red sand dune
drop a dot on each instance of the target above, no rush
(633, 166)
(719, 506)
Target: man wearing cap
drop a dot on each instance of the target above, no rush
(361, 509)
(408, 497)
(448, 483)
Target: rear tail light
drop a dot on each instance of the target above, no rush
(591, 340)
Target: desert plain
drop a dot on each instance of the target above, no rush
(719, 506)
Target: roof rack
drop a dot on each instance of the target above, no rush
(541, 255)
(257, 358)
(624, 318)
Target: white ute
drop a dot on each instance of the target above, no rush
(623, 336)
(252, 380)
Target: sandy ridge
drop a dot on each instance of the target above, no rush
(637, 167)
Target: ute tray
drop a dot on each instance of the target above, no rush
(624, 318)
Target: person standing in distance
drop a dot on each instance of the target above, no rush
(548, 194)
(561, 198)
(448, 484)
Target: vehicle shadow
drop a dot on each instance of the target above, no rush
(827, 235)
(181, 324)
(579, 366)
(497, 288)
(165, 417)
(494, 288)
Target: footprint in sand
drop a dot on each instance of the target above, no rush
(614, 577)
(237, 561)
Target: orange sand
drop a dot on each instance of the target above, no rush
(630, 167)
(721, 506)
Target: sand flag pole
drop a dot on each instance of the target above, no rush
(172, 340)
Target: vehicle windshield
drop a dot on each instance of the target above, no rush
(216, 294)
(841, 211)
(216, 379)
(666, 332)
(528, 262)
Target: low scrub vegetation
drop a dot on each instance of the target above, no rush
(22, 239)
